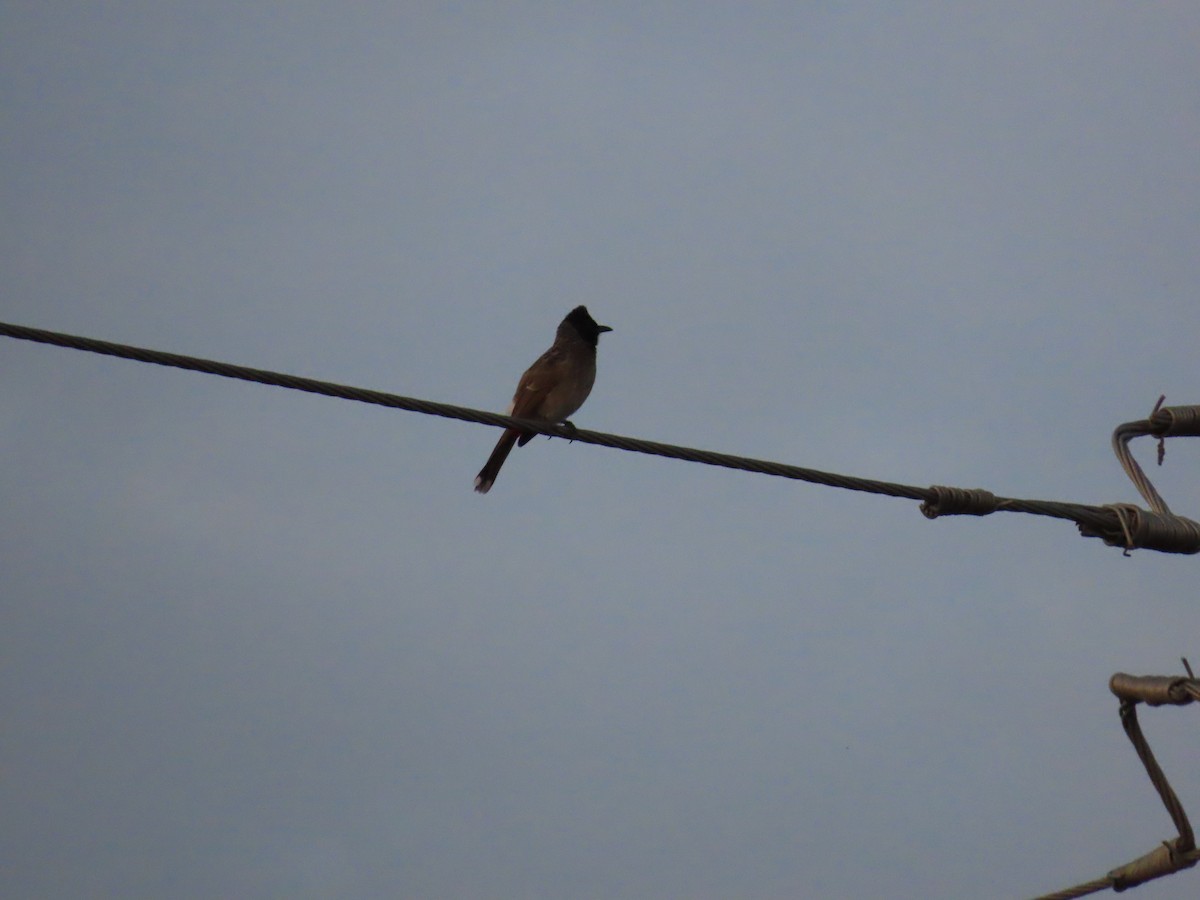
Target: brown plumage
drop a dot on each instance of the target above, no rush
(552, 388)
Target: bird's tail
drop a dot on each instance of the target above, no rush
(487, 475)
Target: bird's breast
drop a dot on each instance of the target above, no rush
(569, 392)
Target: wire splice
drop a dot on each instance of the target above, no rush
(954, 501)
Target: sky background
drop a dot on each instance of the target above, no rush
(261, 644)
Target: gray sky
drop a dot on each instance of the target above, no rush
(262, 644)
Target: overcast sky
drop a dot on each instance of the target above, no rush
(260, 644)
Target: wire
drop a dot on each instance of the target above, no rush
(1180, 852)
(1116, 524)
(1120, 525)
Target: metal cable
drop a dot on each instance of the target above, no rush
(1163, 422)
(1123, 434)
(1118, 525)
(1080, 890)
(1126, 527)
(1180, 852)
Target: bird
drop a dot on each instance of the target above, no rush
(552, 389)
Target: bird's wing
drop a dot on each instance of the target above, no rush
(537, 382)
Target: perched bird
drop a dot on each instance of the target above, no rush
(552, 388)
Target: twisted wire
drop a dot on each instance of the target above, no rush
(1153, 532)
(1117, 525)
(1122, 435)
(1180, 852)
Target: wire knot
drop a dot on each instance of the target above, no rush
(956, 501)
(1167, 858)
(1153, 690)
(1133, 527)
(1172, 421)
(1175, 421)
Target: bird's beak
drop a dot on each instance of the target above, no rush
(603, 328)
